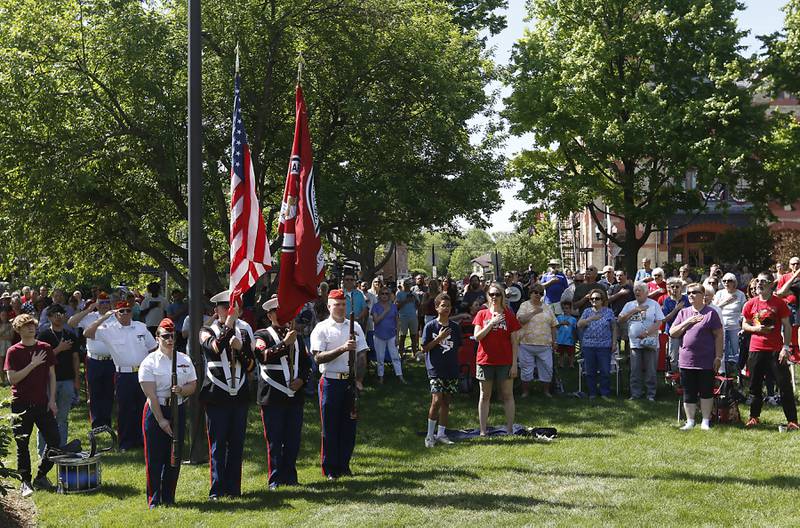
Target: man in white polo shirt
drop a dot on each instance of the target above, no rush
(99, 365)
(331, 344)
(128, 342)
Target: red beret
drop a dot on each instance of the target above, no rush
(336, 295)
(167, 324)
(122, 304)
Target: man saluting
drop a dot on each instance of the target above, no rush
(331, 344)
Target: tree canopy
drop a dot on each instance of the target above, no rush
(643, 105)
(93, 125)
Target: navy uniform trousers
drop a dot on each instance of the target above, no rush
(130, 403)
(100, 387)
(162, 478)
(226, 424)
(338, 429)
(282, 427)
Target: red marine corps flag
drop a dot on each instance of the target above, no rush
(302, 262)
(250, 255)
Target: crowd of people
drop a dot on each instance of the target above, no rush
(526, 326)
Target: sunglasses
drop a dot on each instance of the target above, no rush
(124, 310)
(167, 335)
(696, 292)
(595, 298)
(495, 294)
(534, 292)
(103, 302)
(729, 280)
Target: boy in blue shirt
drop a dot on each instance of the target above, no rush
(566, 334)
(441, 339)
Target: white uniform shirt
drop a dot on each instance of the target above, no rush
(329, 335)
(128, 345)
(94, 347)
(157, 367)
(156, 313)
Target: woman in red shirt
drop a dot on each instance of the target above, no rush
(495, 329)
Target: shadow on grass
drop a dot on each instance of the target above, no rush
(382, 488)
(776, 481)
(119, 491)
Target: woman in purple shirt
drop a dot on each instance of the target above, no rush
(700, 354)
(385, 317)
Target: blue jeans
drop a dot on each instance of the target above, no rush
(731, 347)
(597, 359)
(65, 391)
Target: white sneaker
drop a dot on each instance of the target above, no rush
(443, 440)
(429, 441)
(688, 426)
(26, 490)
(705, 426)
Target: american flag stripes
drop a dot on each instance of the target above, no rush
(250, 254)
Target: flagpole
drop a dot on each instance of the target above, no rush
(197, 452)
(301, 63)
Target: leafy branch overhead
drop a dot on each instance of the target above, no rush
(628, 102)
(92, 129)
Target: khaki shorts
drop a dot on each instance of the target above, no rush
(408, 325)
(492, 372)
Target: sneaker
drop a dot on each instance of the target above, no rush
(25, 489)
(443, 440)
(430, 441)
(651, 398)
(705, 426)
(688, 426)
(752, 422)
(42, 483)
(402, 380)
(792, 426)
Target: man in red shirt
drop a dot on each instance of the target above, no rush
(765, 316)
(30, 366)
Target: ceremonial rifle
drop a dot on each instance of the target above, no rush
(174, 457)
(352, 366)
(290, 357)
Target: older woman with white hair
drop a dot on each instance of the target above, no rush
(657, 288)
(644, 317)
(730, 301)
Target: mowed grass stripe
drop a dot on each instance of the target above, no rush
(616, 463)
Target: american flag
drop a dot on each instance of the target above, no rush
(250, 255)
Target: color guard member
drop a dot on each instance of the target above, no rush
(155, 377)
(331, 344)
(225, 394)
(284, 369)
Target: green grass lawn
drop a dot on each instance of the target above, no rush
(617, 463)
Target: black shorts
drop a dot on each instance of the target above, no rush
(697, 382)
